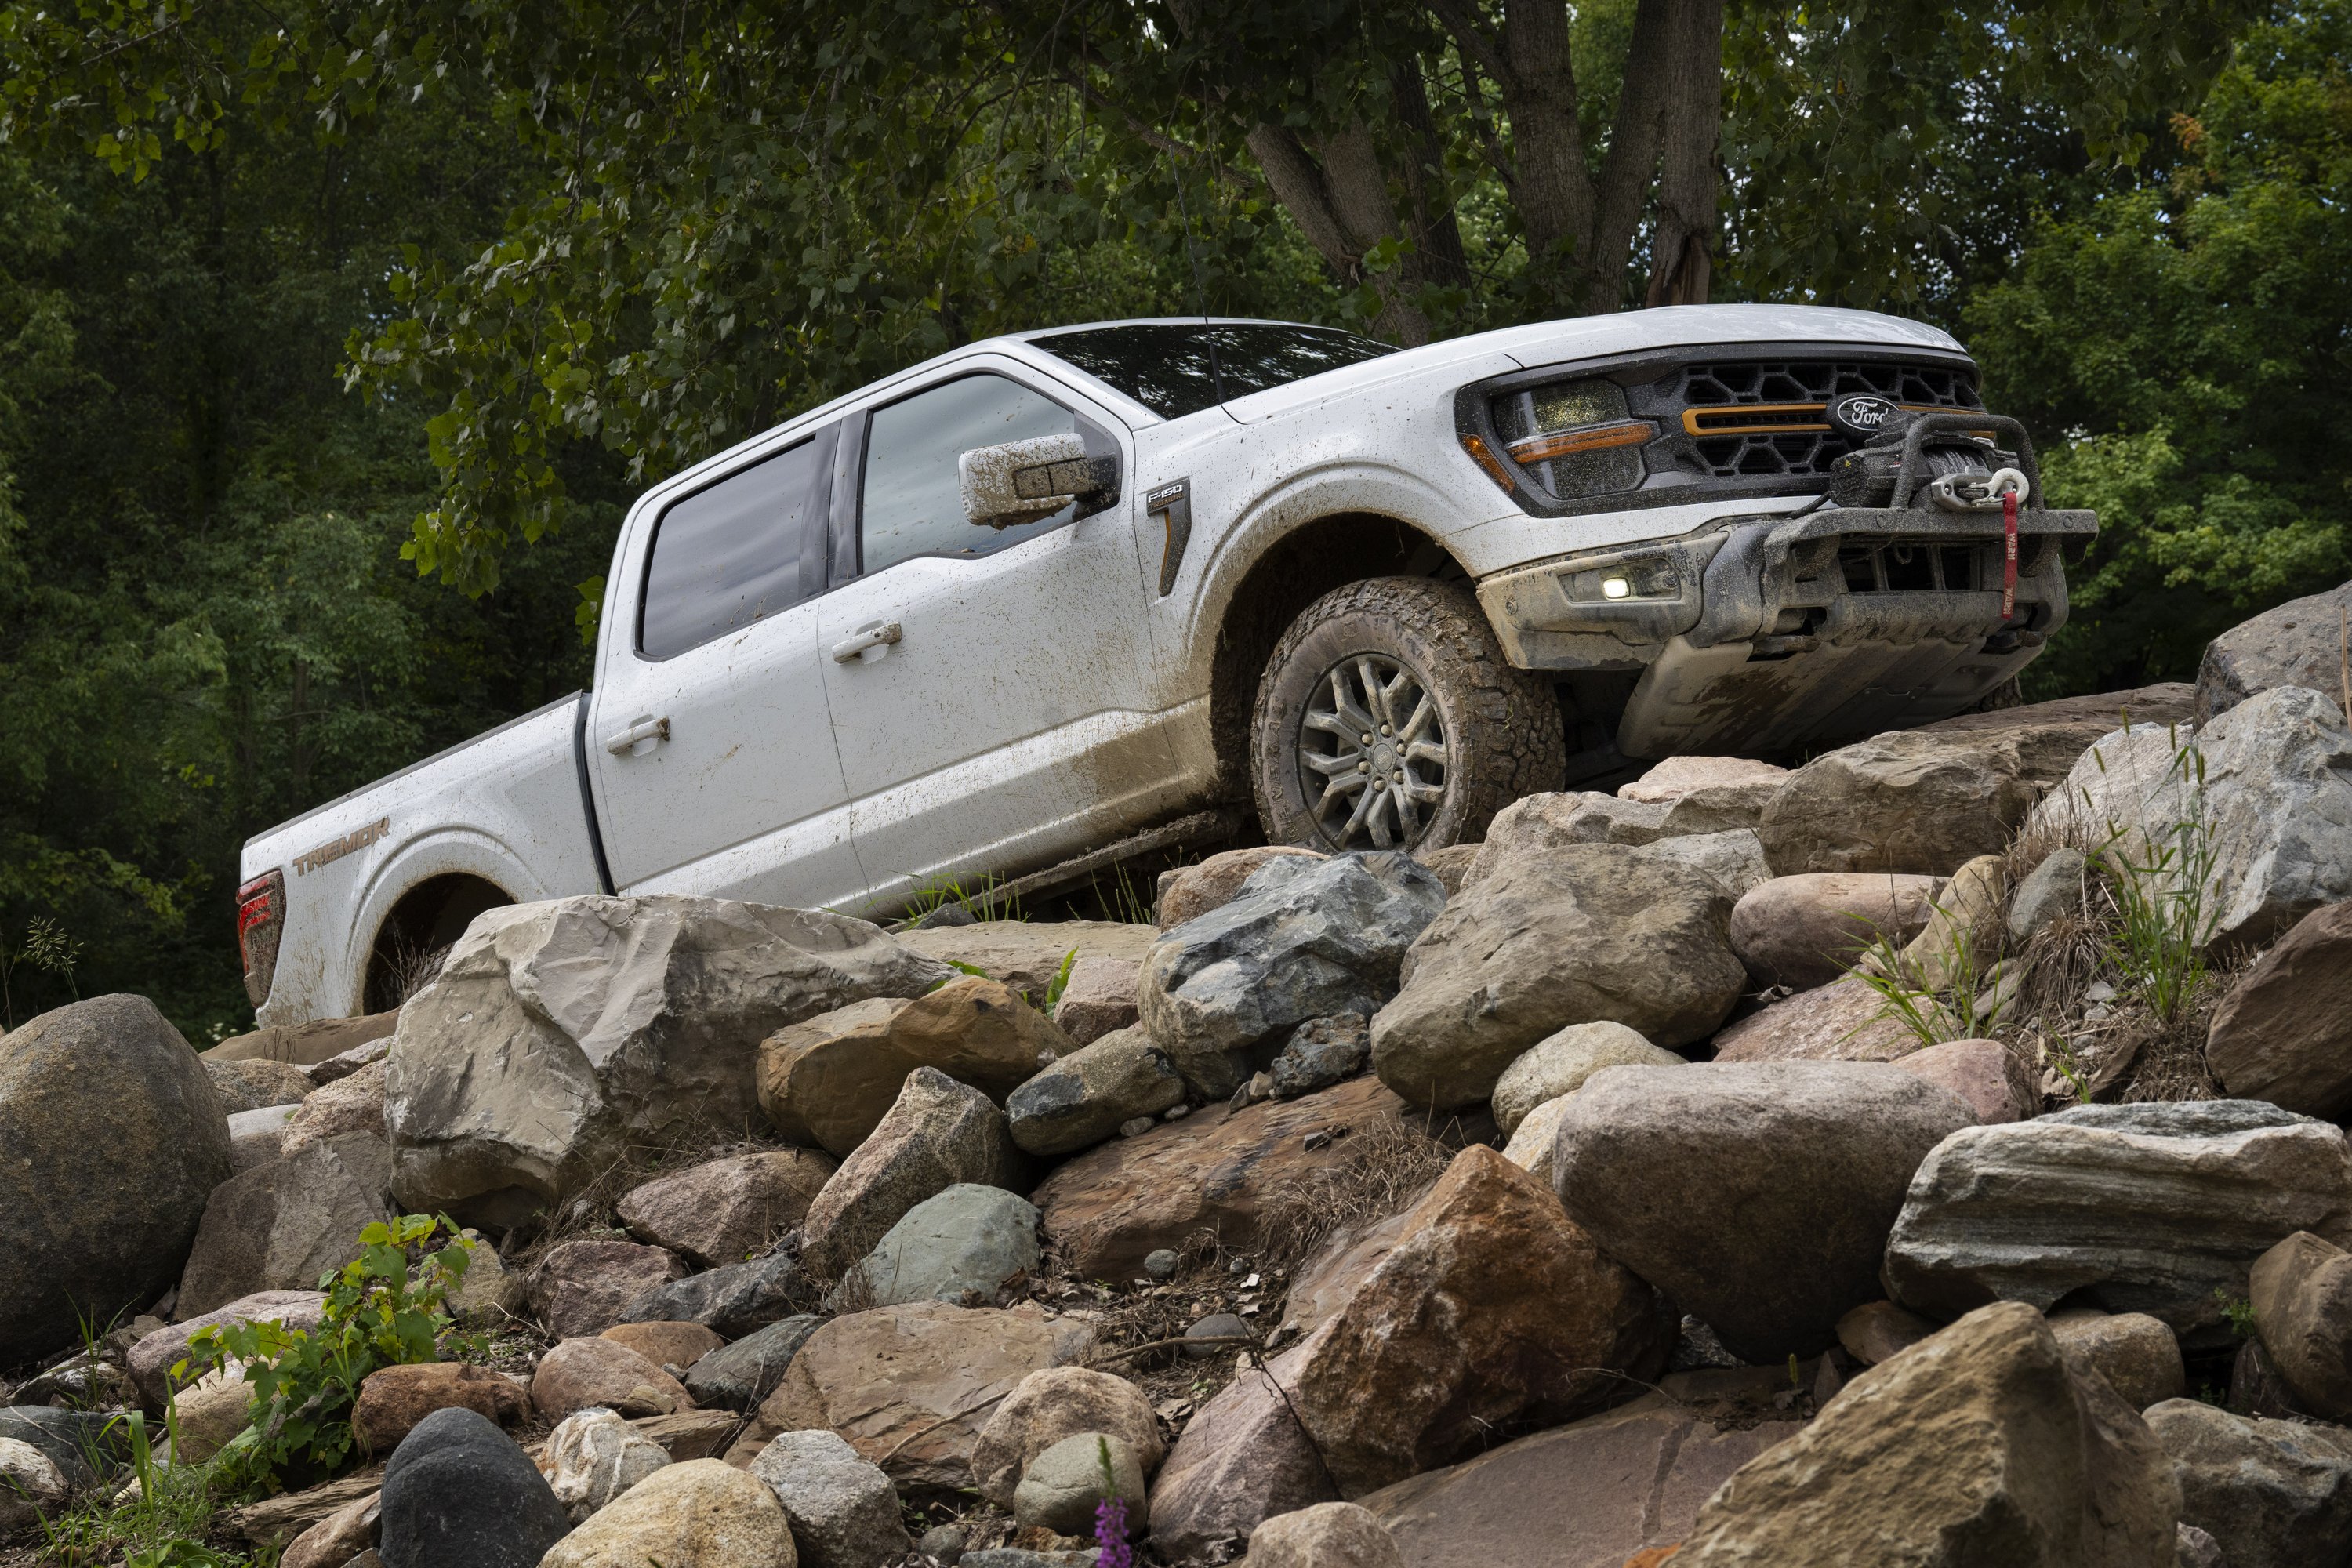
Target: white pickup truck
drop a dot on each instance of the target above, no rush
(1095, 586)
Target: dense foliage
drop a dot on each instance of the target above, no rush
(333, 338)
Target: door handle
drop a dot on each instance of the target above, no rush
(626, 743)
(881, 634)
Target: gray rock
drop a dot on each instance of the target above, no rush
(1084, 1097)
(1757, 1196)
(152, 1359)
(1321, 1052)
(2276, 808)
(1189, 892)
(281, 1226)
(963, 1245)
(593, 1457)
(458, 1493)
(943, 1544)
(2300, 643)
(1163, 1264)
(1241, 1459)
(937, 1133)
(2284, 1031)
(252, 1084)
(1063, 1486)
(343, 1064)
(1551, 938)
(2052, 890)
(1306, 939)
(558, 1031)
(1215, 1326)
(2136, 1208)
(1536, 823)
(1913, 801)
(1099, 996)
(1735, 860)
(844, 1512)
(1558, 1064)
(738, 1375)
(736, 1300)
(114, 1139)
(88, 1446)
(254, 1136)
(2272, 1494)
(1015, 1557)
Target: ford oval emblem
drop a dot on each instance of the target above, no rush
(1862, 415)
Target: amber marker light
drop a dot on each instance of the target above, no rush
(1586, 439)
(1486, 459)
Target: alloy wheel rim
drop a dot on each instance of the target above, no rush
(1373, 754)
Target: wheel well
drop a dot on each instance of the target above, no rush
(419, 930)
(1297, 569)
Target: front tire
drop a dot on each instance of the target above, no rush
(1388, 719)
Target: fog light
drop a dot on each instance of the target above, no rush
(1615, 587)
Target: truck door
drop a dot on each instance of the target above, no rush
(710, 736)
(988, 686)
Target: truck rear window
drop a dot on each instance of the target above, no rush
(1166, 366)
(738, 549)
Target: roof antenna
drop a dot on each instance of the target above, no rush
(1200, 294)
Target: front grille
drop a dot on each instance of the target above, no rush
(1764, 418)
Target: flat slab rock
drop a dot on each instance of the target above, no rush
(1583, 1496)
(1110, 1208)
(1027, 954)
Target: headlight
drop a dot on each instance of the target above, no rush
(1577, 437)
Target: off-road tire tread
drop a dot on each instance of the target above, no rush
(1513, 743)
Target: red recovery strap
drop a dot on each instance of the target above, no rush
(2009, 553)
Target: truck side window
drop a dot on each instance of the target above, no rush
(734, 552)
(913, 501)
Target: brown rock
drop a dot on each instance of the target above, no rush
(393, 1399)
(1627, 1479)
(1057, 1403)
(1449, 865)
(1914, 801)
(910, 1386)
(2134, 1352)
(1027, 954)
(2283, 1032)
(1216, 881)
(724, 1211)
(152, 1359)
(250, 1085)
(305, 1045)
(1491, 1309)
(335, 1540)
(284, 1222)
(2302, 1291)
(1099, 997)
(830, 1080)
(665, 1344)
(580, 1287)
(1979, 1446)
(2056, 733)
(1108, 1208)
(1678, 776)
(1881, 1331)
(1242, 1460)
(354, 1104)
(1805, 931)
(342, 1064)
(937, 1133)
(1991, 1078)
(1845, 1021)
(578, 1373)
(696, 1514)
(1963, 937)
(1328, 1535)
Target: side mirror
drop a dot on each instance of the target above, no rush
(1022, 482)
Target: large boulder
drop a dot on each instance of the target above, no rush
(2301, 1292)
(2272, 1494)
(910, 1386)
(1845, 1021)
(1757, 1195)
(1980, 1446)
(738, 1375)
(1243, 1459)
(1556, 821)
(281, 1226)
(558, 1031)
(594, 1372)
(1807, 930)
(2300, 643)
(458, 1493)
(1050, 1405)
(1028, 955)
(963, 1245)
(1306, 938)
(726, 1210)
(112, 1137)
(582, 1287)
(1546, 939)
(393, 1399)
(735, 1299)
(697, 1515)
(2159, 1209)
(1191, 891)
(1913, 801)
(1108, 1209)
(937, 1133)
(352, 1104)
(829, 1082)
(1628, 1479)
(1089, 1094)
(306, 1045)
(1486, 1310)
(2265, 790)
(2284, 1030)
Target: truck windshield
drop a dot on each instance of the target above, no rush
(1166, 367)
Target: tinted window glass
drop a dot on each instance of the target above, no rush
(1166, 366)
(913, 499)
(735, 552)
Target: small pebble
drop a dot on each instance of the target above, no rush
(1238, 1265)
(1137, 1128)
(943, 1543)
(1176, 1113)
(1215, 1326)
(1161, 1264)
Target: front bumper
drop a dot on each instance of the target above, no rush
(1759, 633)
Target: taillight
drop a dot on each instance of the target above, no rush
(260, 920)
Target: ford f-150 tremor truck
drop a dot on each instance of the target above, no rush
(1057, 590)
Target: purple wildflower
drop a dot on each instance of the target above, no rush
(1110, 1534)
